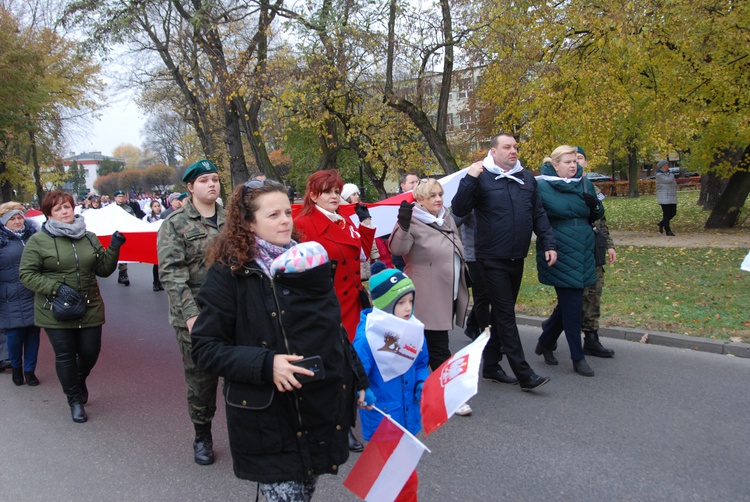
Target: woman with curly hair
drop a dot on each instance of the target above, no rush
(267, 303)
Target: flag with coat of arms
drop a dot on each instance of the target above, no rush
(452, 384)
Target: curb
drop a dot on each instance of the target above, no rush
(661, 338)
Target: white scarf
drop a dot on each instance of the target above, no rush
(489, 164)
(547, 177)
(394, 342)
(334, 217)
(426, 217)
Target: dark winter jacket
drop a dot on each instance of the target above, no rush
(49, 261)
(16, 301)
(506, 212)
(245, 319)
(570, 219)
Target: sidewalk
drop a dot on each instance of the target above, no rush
(661, 338)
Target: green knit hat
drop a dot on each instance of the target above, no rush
(388, 287)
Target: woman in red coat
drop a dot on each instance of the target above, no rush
(320, 221)
(345, 244)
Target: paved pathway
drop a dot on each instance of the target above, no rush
(656, 423)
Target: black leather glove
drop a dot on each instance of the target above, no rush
(591, 201)
(362, 212)
(69, 294)
(404, 215)
(117, 240)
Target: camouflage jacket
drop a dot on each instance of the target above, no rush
(601, 224)
(127, 208)
(181, 246)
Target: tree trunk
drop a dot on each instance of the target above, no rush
(433, 135)
(633, 170)
(6, 188)
(37, 171)
(712, 186)
(727, 209)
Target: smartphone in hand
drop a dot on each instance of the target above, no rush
(314, 364)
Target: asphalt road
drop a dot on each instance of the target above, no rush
(656, 423)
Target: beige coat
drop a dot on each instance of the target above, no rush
(428, 251)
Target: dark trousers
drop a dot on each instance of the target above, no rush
(437, 347)
(668, 211)
(23, 347)
(479, 317)
(76, 352)
(565, 317)
(503, 278)
(155, 273)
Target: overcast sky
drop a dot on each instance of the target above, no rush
(120, 122)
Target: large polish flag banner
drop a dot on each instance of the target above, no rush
(141, 236)
(452, 384)
(386, 463)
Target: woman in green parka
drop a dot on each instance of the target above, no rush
(64, 259)
(571, 205)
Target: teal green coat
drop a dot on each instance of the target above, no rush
(49, 261)
(568, 215)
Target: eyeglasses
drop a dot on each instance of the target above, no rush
(255, 184)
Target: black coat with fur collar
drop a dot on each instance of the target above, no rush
(245, 320)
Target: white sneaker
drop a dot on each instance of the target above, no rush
(464, 410)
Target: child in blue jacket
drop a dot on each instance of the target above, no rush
(390, 344)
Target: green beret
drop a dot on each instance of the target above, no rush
(183, 196)
(580, 150)
(201, 167)
(118, 192)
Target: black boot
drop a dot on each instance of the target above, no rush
(593, 347)
(203, 444)
(5, 365)
(354, 443)
(158, 286)
(670, 233)
(31, 379)
(18, 376)
(661, 227)
(549, 357)
(78, 412)
(84, 391)
(123, 278)
(582, 368)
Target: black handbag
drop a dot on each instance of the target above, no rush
(364, 299)
(68, 305)
(600, 247)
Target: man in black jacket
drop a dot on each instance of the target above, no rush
(507, 207)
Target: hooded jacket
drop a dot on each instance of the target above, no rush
(48, 262)
(16, 300)
(569, 216)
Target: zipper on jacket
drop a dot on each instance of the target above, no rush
(78, 278)
(286, 344)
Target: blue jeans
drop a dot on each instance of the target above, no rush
(23, 347)
(566, 316)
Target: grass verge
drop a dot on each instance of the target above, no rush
(640, 214)
(698, 292)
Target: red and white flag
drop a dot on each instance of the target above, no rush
(452, 384)
(386, 463)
